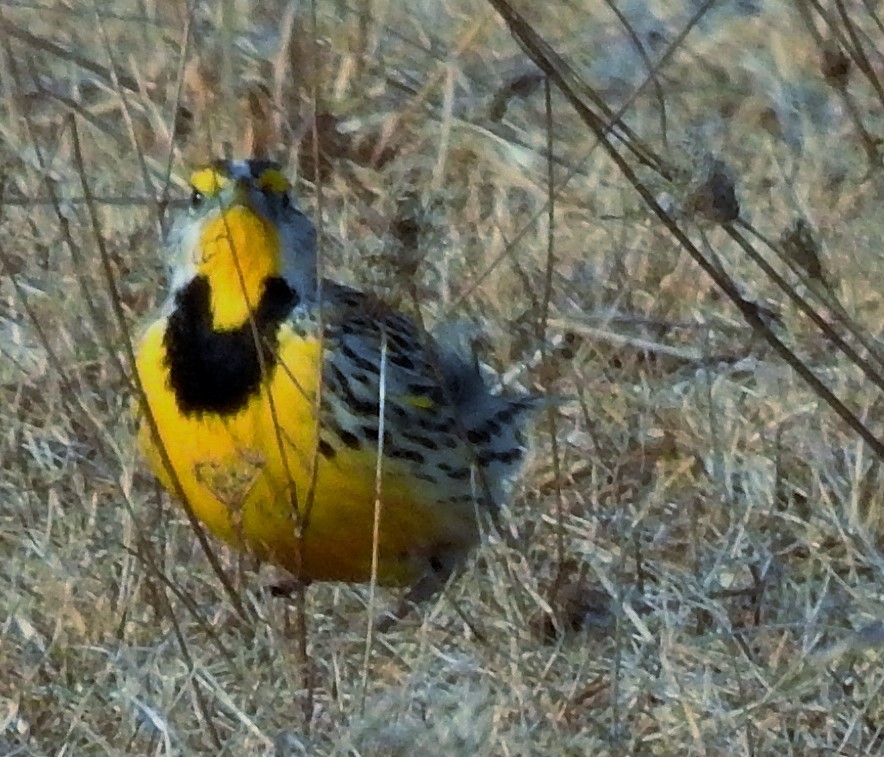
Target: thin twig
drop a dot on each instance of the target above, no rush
(643, 54)
(376, 518)
(176, 103)
(542, 334)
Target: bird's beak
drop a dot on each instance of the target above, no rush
(241, 196)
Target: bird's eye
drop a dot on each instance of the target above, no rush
(285, 200)
(196, 199)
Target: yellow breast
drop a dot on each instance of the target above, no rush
(249, 477)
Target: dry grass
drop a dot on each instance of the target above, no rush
(694, 567)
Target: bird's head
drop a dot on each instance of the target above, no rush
(240, 228)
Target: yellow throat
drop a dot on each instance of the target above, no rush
(238, 250)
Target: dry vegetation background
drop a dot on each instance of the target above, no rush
(691, 562)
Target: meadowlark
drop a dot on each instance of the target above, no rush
(293, 410)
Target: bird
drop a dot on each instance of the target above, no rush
(306, 422)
